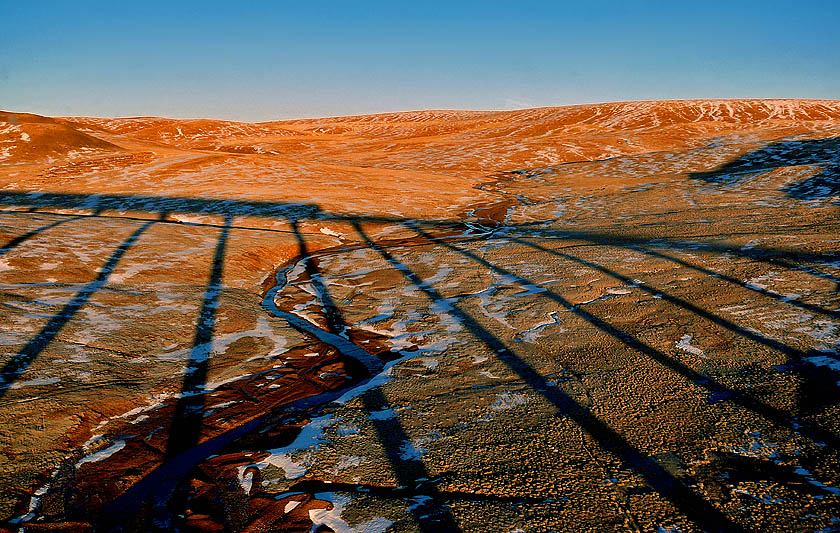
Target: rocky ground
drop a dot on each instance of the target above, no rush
(605, 317)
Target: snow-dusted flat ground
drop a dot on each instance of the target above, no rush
(605, 317)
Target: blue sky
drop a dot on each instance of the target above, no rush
(267, 60)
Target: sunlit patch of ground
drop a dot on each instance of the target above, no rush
(617, 316)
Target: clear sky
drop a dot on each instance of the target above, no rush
(267, 60)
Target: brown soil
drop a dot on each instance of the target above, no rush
(614, 316)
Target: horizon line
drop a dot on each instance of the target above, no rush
(427, 110)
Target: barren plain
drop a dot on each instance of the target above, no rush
(601, 317)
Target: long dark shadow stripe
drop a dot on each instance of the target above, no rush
(669, 487)
(21, 361)
(721, 392)
(781, 257)
(184, 451)
(189, 411)
(679, 302)
(430, 516)
(26, 236)
(773, 414)
(335, 323)
(734, 281)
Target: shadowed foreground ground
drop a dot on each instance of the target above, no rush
(622, 316)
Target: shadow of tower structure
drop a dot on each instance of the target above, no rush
(185, 449)
(824, 154)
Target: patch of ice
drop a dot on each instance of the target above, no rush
(331, 233)
(684, 344)
(291, 468)
(734, 308)
(618, 290)
(813, 481)
(532, 334)
(102, 454)
(220, 343)
(508, 400)
(412, 451)
(419, 501)
(34, 503)
(348, 461)
(310, 437)
(247, 481)
(347, 430)
(384, 414)
(331, 518)
(35, 382)
(429, 363)
(825, 361)
(759, 283)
